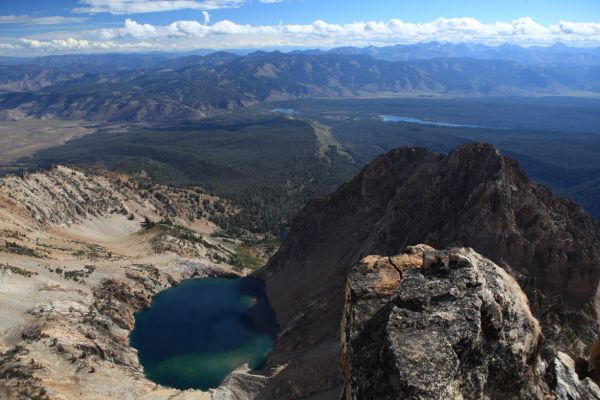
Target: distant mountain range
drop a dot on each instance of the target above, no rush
(157, 87)
(559, 54)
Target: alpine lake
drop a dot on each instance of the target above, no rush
(195, 334)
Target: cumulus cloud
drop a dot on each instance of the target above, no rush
(31, 20)
(71, 44)
(590, 29)
(131, 28)
(148, 6)
(193, 34)
(322, 33)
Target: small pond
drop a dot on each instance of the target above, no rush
(195, 334)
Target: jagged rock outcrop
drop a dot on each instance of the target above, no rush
(65, 196)
(472, 197)
(446, 324)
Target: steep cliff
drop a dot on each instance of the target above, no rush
(471, 197)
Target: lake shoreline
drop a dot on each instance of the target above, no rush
(194, 334)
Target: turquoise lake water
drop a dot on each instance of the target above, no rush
(195, 334)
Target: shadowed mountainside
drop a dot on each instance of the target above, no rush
(471, 197)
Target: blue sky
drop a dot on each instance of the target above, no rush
(44, 26)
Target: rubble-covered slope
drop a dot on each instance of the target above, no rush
(64, 196)
(80, 253)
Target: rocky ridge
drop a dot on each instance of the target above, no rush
(65, 196)
(100, 205)
(471, 197)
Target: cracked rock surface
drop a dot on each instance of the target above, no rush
(452, 324)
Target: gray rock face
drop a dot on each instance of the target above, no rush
(565, 382)
(454, 327)
(472, 197)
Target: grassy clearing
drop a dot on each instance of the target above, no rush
(245, 257)
(167, 228)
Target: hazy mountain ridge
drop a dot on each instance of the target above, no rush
(30, 78)
(189, 87)
(558, 54)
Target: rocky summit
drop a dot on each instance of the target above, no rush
(446, 325)
(472, 197)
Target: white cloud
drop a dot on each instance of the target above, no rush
(30, 20)
(132, 28)
(148, 6)
(206, 16)
(194, 34)
(578, 28)
(62, 44)
(186, 29)
(321, 33)
(71, 44)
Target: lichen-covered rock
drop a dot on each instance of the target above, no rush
(447, 324)
(370, 287)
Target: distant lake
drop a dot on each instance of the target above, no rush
(284, 111)
(412, 120)
(195, 334)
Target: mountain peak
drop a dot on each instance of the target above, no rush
(472, 197)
